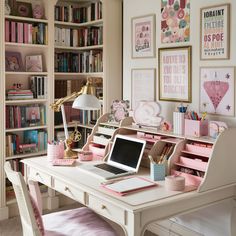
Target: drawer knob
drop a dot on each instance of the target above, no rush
(103, 207)
(37, 174)
(66, 189)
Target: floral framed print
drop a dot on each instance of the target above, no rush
(143, 36)
(175, 74)
(143, 86)
(13, 61)
(215, 33)
(217, 90)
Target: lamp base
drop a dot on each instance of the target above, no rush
(70, 154)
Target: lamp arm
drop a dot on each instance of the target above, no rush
(56, 106)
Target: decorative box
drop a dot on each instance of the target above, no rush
(196, 128)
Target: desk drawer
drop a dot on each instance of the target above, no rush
(106, 209)
(40, 177)
(69, 191)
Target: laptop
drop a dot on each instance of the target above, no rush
(124, 158)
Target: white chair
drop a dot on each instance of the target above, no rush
(76, 222)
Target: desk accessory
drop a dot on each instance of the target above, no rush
(157, 171)
(178, 122)
(55, 150)
(146, 114)
(85, 155)
(175, 183)
(216, 127)
(128, 185)
(85, 100)
(63, 162)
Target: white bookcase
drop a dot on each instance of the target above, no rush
(111, 75)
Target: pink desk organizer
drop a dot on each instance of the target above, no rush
(55, 151)
(196, 128)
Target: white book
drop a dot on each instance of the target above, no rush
(63, 37)
(75, 38)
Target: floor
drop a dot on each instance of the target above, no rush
(12, 227)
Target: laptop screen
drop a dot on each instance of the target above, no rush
(126, 152)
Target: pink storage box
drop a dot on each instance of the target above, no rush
(196, 128)
(204, 151)
(196, 164)
(55, 151)
(97, 149)
(189, 179)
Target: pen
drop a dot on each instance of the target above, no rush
(151, 159)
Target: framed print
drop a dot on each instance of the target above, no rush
(215, 38)
(143, 40)
(13, 61)
(24, 9)
(34, 63)
(217, 90)
(143, 86)
(175, 21)
(175, 74)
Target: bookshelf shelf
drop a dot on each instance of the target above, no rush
(26, 19)
(95, 47)
(26, 128)
(26, 101)
(25, 73)
(27, 155)
(93, 74)
(86, 24)
(26, 45)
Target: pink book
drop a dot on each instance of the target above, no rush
(20, 32)
(13, 31)
(7, 31)
(26, 33)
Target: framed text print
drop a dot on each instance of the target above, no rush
(143, 40)
(215, 38)
(143, 86)
(217, 90)
(175, 74)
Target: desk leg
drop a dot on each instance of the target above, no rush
(52, 200)
(134, 226)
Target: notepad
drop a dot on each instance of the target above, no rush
(128, 185)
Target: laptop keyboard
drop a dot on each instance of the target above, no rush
(110, 168)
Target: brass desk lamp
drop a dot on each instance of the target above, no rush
(85, 99)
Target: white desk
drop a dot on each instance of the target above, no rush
(133, 212)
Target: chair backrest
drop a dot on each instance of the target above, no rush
(28, 220)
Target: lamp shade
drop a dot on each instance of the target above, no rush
(86, 102)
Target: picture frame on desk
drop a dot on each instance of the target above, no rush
(143, 85)
(143, 36)
(13, 61)
(175, 74)
(215, 45)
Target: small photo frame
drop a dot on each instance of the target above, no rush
(34, 63)
(119, 110)
(143, 86)
(175, 74)
(13, 61)
(143, 36)
(24, 9)
(215, 32)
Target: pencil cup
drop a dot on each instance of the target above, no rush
(178, 122)
(55, 151)
(158, 171)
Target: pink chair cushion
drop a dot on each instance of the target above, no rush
(80, 221)
(37, 215)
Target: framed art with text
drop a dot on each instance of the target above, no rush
(143, 36)
(217, 90)
(215, 38)
(175, 74)
(143, 86)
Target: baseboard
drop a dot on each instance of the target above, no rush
(171, 228)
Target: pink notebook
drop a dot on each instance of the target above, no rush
(63, 162)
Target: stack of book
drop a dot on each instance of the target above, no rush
(19, 32)
(75, 14)
(13, 94)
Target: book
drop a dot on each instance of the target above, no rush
(128, 185)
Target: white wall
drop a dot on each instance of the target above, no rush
(133, 8)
